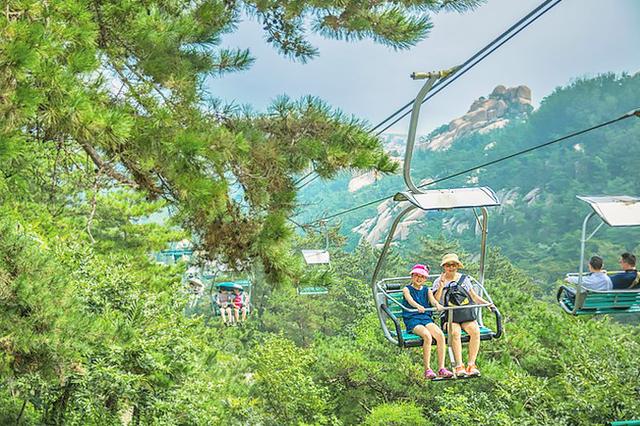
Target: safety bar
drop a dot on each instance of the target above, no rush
(576, 274)
(498, 315)
(445, 308)
(400, 340)
(588, 290)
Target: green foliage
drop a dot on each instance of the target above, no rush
(111, 93)
(106, 127)
(286, 390)
(396, 415)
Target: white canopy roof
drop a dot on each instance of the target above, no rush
(617, 210)
(315, 257)
(458, 198)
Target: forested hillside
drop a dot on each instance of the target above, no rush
(537, 190)
(102, 339)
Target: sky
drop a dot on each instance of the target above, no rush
(575, 39)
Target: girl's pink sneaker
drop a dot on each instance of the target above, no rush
(429, 374)
(444, 373)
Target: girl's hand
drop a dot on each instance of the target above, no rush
(439, 307)
(421, 309)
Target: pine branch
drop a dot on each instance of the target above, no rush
(107, 168)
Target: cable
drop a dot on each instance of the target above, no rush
(440, 85)
(635, 112)
(472, 58)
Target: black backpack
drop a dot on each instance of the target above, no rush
(456, 295)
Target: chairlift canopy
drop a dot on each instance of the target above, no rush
(229, 285)
(315, 257)
(615, 211)
(457, 198)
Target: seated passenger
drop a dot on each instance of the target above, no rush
(629, 278)
(596, 279)
(224, 304)
(452, 282)
(239, 305)
(418, 297)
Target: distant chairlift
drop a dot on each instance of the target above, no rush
(245, 286)
(387, 292)
(176, 252)
(317, 257)
(615, 211)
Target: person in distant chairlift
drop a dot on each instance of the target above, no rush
(224, 304)
(239, 305)
(596, 279)
(629, 279)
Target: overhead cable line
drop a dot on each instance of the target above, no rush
(632, 113)
(478, 57)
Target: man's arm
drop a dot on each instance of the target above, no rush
(571, 280)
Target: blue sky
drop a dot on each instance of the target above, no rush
(575, 39)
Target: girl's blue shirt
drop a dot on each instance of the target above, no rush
(421, 297)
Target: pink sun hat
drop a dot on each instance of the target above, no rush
(420, 270)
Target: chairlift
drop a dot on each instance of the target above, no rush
(313, 257)
(387, 292)
(244, 286)
(614, 211)
(176, 252)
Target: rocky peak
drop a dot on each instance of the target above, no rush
(484, 115)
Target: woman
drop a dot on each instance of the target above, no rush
(445, 283)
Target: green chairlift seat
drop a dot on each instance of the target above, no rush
(614, 211)
(244, 285)
(312, 291)
(591, 302)
(393, 297)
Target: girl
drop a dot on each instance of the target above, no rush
(418, 297)
(238, 305)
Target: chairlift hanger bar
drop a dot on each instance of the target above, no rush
(481, 54)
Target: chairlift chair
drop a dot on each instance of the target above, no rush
(614, 211)
(387, 292)
(313, 257)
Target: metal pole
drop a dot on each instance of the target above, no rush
(483, 243)
(381, 259)
(583, 241)
(452, 359)
(413, 124)
(431, 77)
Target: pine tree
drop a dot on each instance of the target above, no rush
(116, 89)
